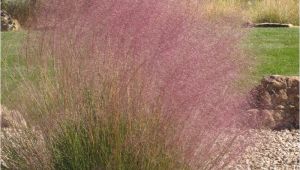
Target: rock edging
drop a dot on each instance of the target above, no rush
(276, 102)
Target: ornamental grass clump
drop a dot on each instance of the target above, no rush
(276, 11)
(256, 11)
(128, 84)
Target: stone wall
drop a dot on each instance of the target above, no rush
(276, 102)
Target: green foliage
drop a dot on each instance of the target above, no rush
(110, 141)
(79, 146)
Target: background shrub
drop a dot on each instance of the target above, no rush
(257, 11)
(277, 11)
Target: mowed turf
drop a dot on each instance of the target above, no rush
(11, 64)
(276, 51)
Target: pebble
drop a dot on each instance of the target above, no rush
(275, 150)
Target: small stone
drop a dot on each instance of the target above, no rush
(279, 107)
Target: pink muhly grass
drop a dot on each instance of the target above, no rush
(146, 57)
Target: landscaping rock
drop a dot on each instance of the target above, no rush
(276, 102)
(8, 23)
(272, 25)
(270, 150)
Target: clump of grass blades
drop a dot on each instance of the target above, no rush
(115, 139)
(77, 146)
(97, 134)
(221, 8)
(278, 11)
(257, 11)
(131, 85)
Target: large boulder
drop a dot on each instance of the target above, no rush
(7, 22)
(275, 102)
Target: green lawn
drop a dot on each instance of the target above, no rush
(276, 51)
(11, 43)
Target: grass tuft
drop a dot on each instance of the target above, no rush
(130, 85)
(257, 11)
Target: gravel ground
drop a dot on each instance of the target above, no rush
(271, 150)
